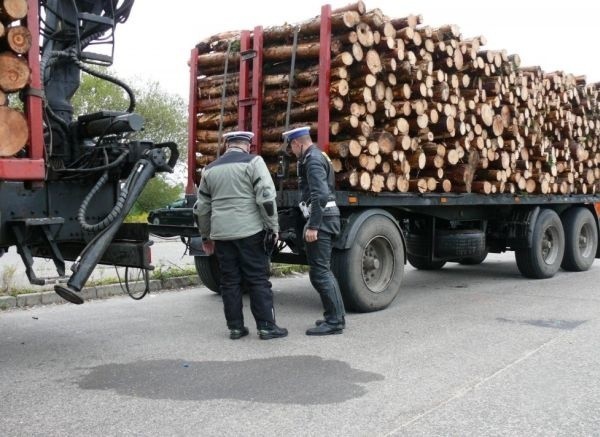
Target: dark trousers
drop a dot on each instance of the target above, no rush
(244, 261)
(318, 254)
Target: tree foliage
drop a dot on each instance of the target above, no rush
(157, 194)
(164, 113)
(165, 121)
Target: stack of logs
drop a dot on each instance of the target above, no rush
(413, 108)
(15, 41)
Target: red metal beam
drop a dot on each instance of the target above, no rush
(21, 169)
(257, 92)
(244, 92)
(30, 168)
(324, 78)
(192, 179)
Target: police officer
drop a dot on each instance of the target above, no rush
(317, 186)
(236, 213)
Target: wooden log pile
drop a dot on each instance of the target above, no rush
(415, 108)
(15, 41)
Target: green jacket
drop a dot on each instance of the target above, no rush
(236, 197)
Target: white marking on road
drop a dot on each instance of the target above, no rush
(469, 388)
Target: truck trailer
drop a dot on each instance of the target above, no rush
(548, 227)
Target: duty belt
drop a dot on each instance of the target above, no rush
(306, 208)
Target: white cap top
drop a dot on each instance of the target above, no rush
(295, 133)
(238, 135)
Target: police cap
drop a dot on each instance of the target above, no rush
(296, 133)
(238, 136)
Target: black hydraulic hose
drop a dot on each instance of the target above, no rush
(111, 79)
(113, 164)
(114, 213)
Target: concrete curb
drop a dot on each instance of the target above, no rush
(94, 292)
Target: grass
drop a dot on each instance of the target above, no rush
(7, 279)
(280, 270)
(7, 276)
(163, 273)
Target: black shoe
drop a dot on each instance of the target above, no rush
(321, 321)
(272, 331)
(325, 329)
(237, 333)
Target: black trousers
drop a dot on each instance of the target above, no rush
(244, 261)
(318, 254)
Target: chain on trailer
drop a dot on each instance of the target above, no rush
(282, 168)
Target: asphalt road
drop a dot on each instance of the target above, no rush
(465, 351)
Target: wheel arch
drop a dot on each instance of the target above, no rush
(353, 222)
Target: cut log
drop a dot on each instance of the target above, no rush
(12, 10)
(340, 20)
(357, 7)
(14, 72)
(338, 149)
(373, 61)
(14, 131)
(17, 39)
(417, 185)
(365, 180)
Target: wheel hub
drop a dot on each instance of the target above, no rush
(549, 248)
(378, 264)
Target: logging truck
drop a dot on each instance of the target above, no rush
(443, 151)
(66, 185)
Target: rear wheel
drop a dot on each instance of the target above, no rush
(371, 271)
(542, 260)
(156, 221)
(207, 268)
(581, 239)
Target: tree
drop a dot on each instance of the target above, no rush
(157, 194)
(165, 114)
(165, 121)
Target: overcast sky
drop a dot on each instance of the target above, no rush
(155, 43)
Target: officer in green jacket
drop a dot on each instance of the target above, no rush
(236, 213)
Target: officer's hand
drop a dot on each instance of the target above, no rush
(208, 247)
(311, 235)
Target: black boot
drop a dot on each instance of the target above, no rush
(321, 321)
(237, 333)
(325, 329)
(270, 331)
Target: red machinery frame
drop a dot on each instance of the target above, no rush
(32, 166)
(250, 96)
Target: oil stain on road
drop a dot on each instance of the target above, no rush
(302, 379)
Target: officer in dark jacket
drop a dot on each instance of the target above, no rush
(317, 186)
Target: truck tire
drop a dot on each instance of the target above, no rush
(543, 259)
(371, 271)
(581, 239)
(450, 244)
(424, 263)
(474, 260)
(417, 253)
(156, 221)
(459, 243)
(207, 268)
